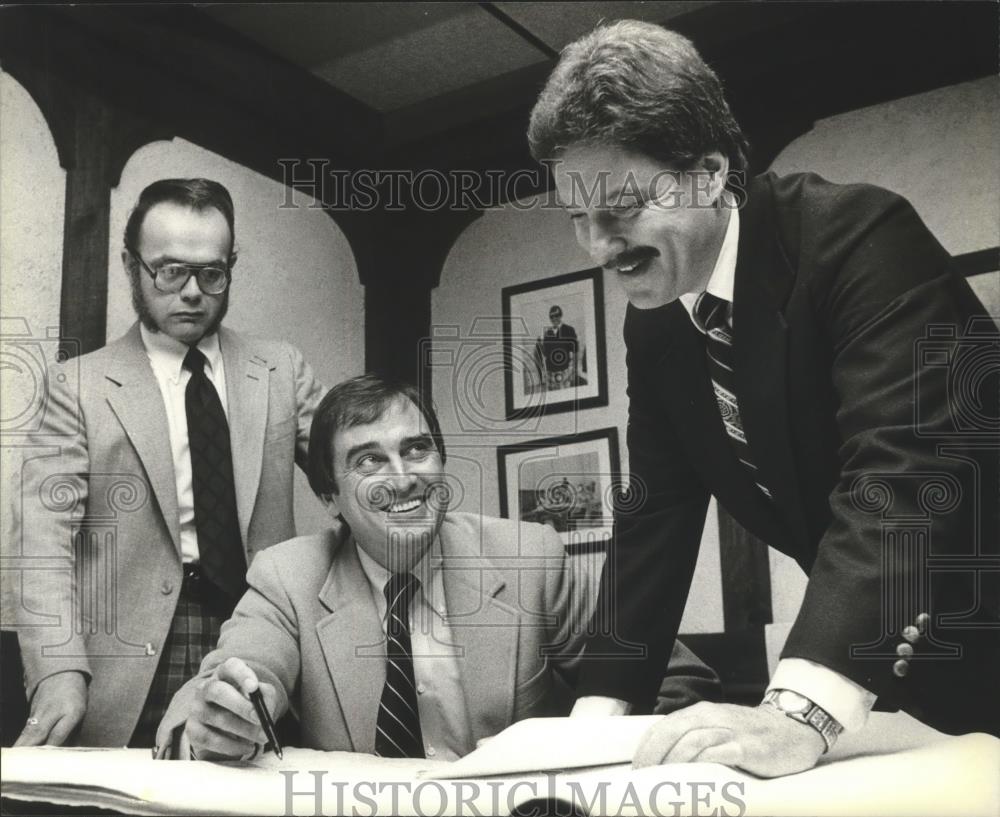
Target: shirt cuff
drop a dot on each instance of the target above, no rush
(845, 700)
(591, 706)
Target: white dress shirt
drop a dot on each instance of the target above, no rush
(848, 702)
(444, 715)
(166, 356)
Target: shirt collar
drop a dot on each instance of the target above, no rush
(425, 570)
(166, 355)
(722, 281)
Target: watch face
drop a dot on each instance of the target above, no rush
(792, 702)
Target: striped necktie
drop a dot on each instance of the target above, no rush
(397, 729)
(710, 313)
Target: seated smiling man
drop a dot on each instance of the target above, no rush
(414, 631)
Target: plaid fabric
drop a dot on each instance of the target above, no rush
(194, 632)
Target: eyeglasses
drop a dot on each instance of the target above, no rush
(173, 277)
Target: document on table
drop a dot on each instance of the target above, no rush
(893, 772)
(549, 744)
(129, 780)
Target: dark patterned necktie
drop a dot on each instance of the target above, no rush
(710, 312)
(397, 730)
(219, 544)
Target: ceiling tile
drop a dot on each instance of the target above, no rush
(558, 24)
(312, 34)
(448, 54)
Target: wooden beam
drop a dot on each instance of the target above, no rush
(83, 304)
(180, 46)
(399, 274)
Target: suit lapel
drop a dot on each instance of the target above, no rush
(138, 405)
(353, 645)
(485, 629)
(760, 348)
(247, 397)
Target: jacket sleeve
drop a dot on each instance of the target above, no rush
(263, 632)
(687, 680)
(651, 559)
(566, 603)
(891, 292)
(40, 582)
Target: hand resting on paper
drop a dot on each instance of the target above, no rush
(760, 740)
(57, 707)
(222, 723)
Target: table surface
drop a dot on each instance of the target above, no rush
(895, 766)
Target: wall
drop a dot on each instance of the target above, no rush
(508, 246)
(32, 200)
(295, 279)
(937, 149)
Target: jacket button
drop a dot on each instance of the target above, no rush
(904, 650)
(150, 649)
(922, 621)
(911, 633)
(900, 668)
(167, 587)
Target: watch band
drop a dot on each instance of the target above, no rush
(814, 715)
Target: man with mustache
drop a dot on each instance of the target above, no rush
(182, 436)
(558, 352)
(771, 338)
(414, 630)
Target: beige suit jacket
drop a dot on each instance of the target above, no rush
(309, 626)
(516, 605)
(95, 570)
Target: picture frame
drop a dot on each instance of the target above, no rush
(571, 483)
(555, 357)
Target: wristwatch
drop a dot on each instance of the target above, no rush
(800, 708)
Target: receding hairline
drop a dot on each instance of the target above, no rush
(204, 210)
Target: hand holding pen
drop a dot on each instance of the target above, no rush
(231, 714)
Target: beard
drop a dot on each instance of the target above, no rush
(142, 309)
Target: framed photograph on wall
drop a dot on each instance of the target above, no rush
(569, 483)
(554, 348)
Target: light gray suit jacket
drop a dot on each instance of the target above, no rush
(97, 569)
(309, 626)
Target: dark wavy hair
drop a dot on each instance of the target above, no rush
(198, 194)
(359, 401)
(637, 86)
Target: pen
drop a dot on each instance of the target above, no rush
(257, 699)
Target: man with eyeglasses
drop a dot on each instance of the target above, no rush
(182, 434)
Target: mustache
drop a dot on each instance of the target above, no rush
(635, 255)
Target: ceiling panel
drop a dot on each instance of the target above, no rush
(558, 24)
(451, 53)
(394, 57)
(311, 34)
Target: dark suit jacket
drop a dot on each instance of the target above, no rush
(866, 395)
